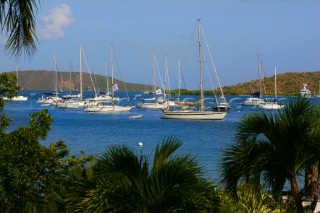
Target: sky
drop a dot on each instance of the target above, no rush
(284, 33)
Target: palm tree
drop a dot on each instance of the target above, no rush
(274, 148)
(121, 181)
(17, 18)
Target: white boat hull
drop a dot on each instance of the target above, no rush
(152, 106)
(193, 115)
(271, 106)
(17, 98)
(252, 102)
(48, 100)
(108, 109)
(135, 116)
(70, 105)
(105, 98)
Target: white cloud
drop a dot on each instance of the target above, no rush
(56, 22)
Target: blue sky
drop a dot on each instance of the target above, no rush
(286, 33)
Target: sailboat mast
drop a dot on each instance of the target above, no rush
(55, 68)
(111, 62)
(179, 77)
(154, 75)
(275, 82)
(200, 65)
(80, 72)
(166, 85)
(260, 78)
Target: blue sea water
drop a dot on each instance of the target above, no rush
(93, 133)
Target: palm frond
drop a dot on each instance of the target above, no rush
(168, 146)
(18, 19)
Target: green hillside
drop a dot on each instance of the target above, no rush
(46, 80)
(287, 83)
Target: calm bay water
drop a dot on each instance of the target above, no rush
(92, 133)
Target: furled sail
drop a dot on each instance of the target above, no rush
(197, 103)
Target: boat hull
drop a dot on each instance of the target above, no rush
(17, 98)
(252, 102)
(109, 109)
(271, 106)
(193, 115)
(151, 106)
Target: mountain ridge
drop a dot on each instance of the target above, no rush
(287, 83)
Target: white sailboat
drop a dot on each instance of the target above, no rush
(51, 98)
(113, 108)
(103, 96)
(157, 102)
(19, 97)
(256, 97)
(201, 113)
(74, 103)
(272, 104)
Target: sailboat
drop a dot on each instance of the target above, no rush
(74, 103)
(272, 104)
(157, 102)
(19, 97)
(256, 97)
(51, 98)
(101, 96)
(71, 95)
(200, 113)
(113, 108)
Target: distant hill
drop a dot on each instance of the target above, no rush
(287, 83)
(46, 81)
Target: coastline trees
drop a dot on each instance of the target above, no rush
(275, 148)
(29, 172)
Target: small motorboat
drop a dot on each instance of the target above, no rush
(135, 116)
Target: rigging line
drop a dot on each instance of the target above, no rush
(55, 69)
(72, 77)
(213, 64)
(95, 80)
(85, 59)
(184, 82)
(263, 74)
(211, 82)
(166, 73)
(190, 43)
(154, 74)
(157, 68)
(118, 65)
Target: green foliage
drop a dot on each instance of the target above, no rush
(30, 172)
(249, 200)
(17, 19)
(273, 148)
(121, 181)
(27, 168)
(8, 88)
